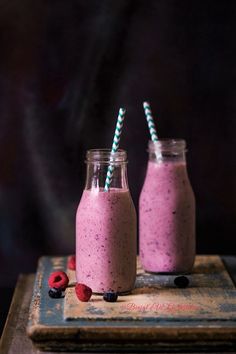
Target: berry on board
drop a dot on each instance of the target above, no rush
(83, 292)
(110, 296)
(55, 293)
(181, 281)
(58, 279)
(71, 262)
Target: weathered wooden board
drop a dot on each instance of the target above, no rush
(210, 294)
(156, 313)
(14, 339)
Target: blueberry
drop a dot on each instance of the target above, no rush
(181, 281)
(110, 296)
(56, 293)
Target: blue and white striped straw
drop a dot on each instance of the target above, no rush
(115, 146)
(150, 121)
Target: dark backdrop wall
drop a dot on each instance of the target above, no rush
(65, 69)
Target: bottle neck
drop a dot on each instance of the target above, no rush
(167, 150)
(98, 162)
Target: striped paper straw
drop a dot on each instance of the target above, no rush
(150, 121)
(115, 146)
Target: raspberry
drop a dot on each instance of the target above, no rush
(83, 292)
(58, 280)
(110, 296)
(181, 281)
(71, 263)
(56, 293)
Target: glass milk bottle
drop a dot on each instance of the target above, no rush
(167, 210)
(106, 226)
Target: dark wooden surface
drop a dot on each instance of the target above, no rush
(14, 339)
(5, 302)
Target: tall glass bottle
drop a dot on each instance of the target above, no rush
(167, 210)
(106, 226)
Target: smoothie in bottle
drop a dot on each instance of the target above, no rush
(167, 211)
(106, 227)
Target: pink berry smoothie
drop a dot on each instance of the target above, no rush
(167, 219)
(106, 240)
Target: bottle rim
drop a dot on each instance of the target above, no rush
(167, 145)
(106, 156)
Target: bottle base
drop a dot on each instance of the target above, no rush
(168, 273)
(120, 293)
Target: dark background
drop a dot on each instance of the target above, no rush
(65, 69)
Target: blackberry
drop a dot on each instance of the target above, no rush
(56, 293)
(181, 281)
(110, 296)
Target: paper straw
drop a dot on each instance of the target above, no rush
(150, 121)
(115, 146)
